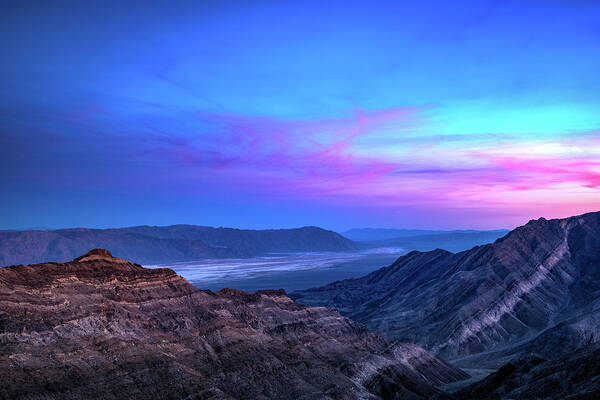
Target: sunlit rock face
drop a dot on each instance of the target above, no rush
(492, 296)
(105, 328)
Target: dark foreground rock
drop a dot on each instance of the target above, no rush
(105, 328)
(572, 376)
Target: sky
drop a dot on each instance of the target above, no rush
(268, 114)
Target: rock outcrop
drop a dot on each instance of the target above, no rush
(573, 376)
(485, 299)
(101, 327)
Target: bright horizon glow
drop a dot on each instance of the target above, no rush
(435, 115)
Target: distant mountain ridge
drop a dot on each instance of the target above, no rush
(377, 234)
(454, 242)
(423, 240)
(164, 244)
(542, 278)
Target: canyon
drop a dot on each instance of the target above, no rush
(525, 309)
(101, 327)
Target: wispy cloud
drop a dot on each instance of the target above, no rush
(349, 157)
(388, 158)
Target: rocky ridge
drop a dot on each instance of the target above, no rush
(101, 327)
(495, 298)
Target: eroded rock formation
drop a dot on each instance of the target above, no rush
(491, 297)
(105, 328)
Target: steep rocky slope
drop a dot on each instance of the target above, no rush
(573, 376)
(496, 297)
(154, 245)
(422, 240)
(101, 327)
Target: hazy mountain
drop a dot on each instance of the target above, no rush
(455, 242)
(105, 328)
(377, 234)
(152, 244)
(422, 240)
(495, 298)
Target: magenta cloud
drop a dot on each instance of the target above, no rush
(369, 158)
(384, 159)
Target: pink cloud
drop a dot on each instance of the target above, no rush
(325, 159)
(369, 159)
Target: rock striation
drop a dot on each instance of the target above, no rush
(493, 299)
(101, 327)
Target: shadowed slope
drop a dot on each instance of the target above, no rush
(486, 298)
(573, 376)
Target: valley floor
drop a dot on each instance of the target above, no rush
(290, 272)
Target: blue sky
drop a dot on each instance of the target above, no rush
(435, 114)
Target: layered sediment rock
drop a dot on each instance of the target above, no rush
(105, 328)
(485, 299)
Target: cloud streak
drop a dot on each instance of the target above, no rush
(348, 158)
(387, 158)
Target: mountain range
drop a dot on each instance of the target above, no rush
(523, 310)
(100, 327)
(164, 244)
(535, 289)
(377, 234)
(422, 240)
